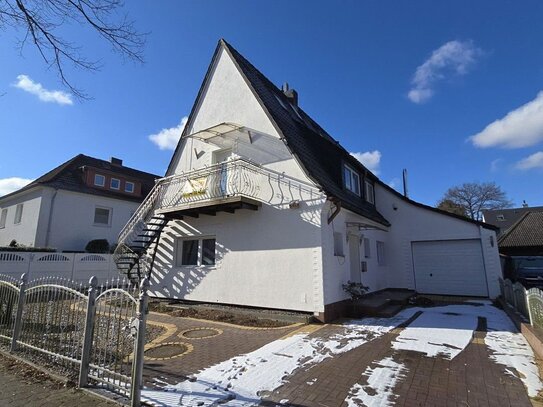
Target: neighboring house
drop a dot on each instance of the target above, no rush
(83, 199)
(525, 237)
(262, 207)
(503, 219)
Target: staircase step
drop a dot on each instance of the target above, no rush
(141, 241)
(150, 230)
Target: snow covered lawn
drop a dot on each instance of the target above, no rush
(438, 332)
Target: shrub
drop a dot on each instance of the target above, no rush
(97, 246)
(355, 290)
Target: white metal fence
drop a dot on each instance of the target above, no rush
(95, 333)
(78, 267)
(529, 303)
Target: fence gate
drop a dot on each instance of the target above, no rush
(94, 335)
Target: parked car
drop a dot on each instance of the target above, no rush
(527, 270)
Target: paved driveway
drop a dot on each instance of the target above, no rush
(454, 355)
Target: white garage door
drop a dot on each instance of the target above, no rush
(450, 267)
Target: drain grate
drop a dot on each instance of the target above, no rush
(200, 333)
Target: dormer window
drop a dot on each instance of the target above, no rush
(370, 193)
(115, 183)
(501, 218)
(99, 180)
(351, 180)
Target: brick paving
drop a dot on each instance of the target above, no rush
(22, 386)
(206, 352)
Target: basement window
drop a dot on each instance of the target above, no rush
(196, 252)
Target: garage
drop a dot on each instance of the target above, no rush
(450, 267)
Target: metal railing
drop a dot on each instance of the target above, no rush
(212, 184)
(94, 333)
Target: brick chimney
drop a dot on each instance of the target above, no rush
(116, 161)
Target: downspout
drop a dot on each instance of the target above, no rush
(50, 218)
(337, 204)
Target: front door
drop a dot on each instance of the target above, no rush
(354, 256)
(220, 157)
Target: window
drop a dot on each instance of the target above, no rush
(370, 192)
(128, 187)
(208, 252)
(115, 183)
(367, 251)
(189, 256)
(18, 213)
(501, 218)
(196, 252)
(381, 253)
(3, 217)
(351, 180)
(338, 244)
(102, 216)
(99, 180)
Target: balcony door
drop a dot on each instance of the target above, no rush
(221, 157)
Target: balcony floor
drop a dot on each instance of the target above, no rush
(210, 207)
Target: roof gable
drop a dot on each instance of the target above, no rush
(526, 232)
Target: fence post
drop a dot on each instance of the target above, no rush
(87, 338)
(19, 316)
(139, 346)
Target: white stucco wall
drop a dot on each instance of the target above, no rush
(25, 231)
(266, 258)
(228, 98)
(72, 224)
(337, 269)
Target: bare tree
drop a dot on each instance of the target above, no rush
(475, 197)
(41, 22)
(450, 206)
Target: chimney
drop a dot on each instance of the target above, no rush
(291, 94)
(116, 161)
(524, 204)
(405, 190)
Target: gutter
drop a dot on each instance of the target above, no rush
(47, 233)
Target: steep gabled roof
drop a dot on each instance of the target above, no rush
(69, 176)
(526, 232)
(319, 154)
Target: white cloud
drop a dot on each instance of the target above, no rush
(370, 159)
(167, 139)
(9, 185)
(453, 57)
(26, 83)
(521, 127)
(533, 161)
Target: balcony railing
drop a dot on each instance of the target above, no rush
(218, 184)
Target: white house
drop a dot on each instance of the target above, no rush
(262, 207)
(82, 199)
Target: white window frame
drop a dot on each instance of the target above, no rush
(338, 245)
(381, 253)
(103, 184)
(3, 218)
(18, 214)
(353, 176)
(111, 183)
(110, 216)
(367, 248)
(500, 218)
(370, 192)
(199, 262)
(133, 187)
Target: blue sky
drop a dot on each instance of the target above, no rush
(410, 80)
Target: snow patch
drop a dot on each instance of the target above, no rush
(437, 333)
(381, 381)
